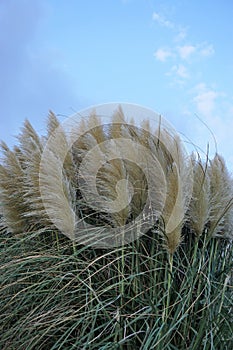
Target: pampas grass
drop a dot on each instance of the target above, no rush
(221, 198)
(12, 202)
(169, 289)
(177, 169)
(199, 207)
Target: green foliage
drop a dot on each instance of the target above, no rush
(55, 295)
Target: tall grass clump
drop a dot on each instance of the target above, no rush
(171, 288)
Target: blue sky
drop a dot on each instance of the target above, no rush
(175, 57)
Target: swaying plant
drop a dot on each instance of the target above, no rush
(169, 289)
(199, 208)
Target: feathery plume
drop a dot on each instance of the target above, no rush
(12, 191)
(57, 178)
(62, 150)
(29, 152)
(221, 199)
(118, 160)
(178, 171)
(199, 211)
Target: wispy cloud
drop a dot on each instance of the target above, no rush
(205, 99)
(183, 57)
(186, 51)
(179, 74)
(181, 71)
(181, 50)
(161, 20)
(162, 54)
(207, 50)
(199, 50)
(213, 108)
(182, 34)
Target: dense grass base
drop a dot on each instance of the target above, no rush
(55, 295)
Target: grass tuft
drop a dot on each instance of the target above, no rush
(169, 289)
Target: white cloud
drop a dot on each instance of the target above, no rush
(181, 71)
(179, 74)
(161, 20)
(215, 124)
(186, 51)
(207, 50)
(205, 99)
(199, 50)
(181, 35)
(162, 54)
